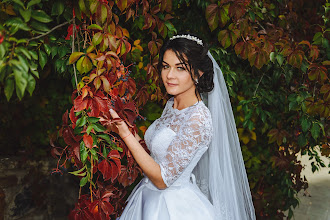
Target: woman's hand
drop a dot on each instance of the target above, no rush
(148, 165)
(119, 125)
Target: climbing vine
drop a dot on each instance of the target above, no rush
(274, 55)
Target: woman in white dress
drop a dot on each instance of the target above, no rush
(177, 184)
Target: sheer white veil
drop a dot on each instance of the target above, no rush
(221, 172)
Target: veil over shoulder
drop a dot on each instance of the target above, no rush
(221, 173)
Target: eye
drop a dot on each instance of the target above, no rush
(181, 68)
(165, 67)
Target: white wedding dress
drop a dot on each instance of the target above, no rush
(177, 141)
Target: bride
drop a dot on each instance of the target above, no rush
(195, 170)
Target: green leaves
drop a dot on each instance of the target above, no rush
(81, 121)
(58, 8)
(302, 141)
(84, 65)
(41, 16)
(21, 81)
(276, 57)
(83, 152)
(83, 181)
(9, 87)
(75, 56)
(21, 67)
(95, 27)
(97, 38)
(19, 2)
(228, 37)
(26, 14)
(42, 58)
(315, 131)
(31, 84)
(79, 172)
(16, 24)
(305, 124)
(32, 2)
(98, 127)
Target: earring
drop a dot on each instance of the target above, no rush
(196, 81)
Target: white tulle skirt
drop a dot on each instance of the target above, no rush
(173, 203)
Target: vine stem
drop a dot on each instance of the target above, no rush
(255, 91)
(51, 30)
(72, 50)
(79, 192)
(90, 184)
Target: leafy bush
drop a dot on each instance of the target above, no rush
(274, 55)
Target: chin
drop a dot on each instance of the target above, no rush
(171, 92)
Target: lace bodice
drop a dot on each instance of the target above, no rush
(178, 139)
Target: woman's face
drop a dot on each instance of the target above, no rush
(176, 77)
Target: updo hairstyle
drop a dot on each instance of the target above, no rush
(195, 58)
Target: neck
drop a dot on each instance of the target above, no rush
(184, 102)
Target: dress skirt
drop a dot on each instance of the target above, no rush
(173, 203)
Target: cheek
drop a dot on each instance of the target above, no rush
(187, 79)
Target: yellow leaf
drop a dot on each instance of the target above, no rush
(137, 42)
(85, 79)
(106, 84)
(137, 45)
(80, 85)
(326, 63)
(245, 138)
(75, 56)
(97, 83)
(253, 135)
(240, 98)
(125, 32)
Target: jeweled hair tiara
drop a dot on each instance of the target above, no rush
(189, 37)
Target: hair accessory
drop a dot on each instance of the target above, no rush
(189, 37)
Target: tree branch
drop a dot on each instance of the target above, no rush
(51, 30)
(255, 91)
(72, 50)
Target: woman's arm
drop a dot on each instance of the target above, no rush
(148, 165)
(137, 136)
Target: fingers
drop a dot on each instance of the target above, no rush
(115, 117)
(114, 114)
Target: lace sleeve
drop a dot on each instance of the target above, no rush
(195, 134)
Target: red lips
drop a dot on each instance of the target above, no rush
(171, 84)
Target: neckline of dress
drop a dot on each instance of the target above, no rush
(182, 110)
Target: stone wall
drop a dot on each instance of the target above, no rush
(28, 190)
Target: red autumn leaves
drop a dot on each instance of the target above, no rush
(88, 100)
(111, 167)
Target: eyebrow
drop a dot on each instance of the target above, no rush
(177, 64)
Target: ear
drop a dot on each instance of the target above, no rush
(200, 73)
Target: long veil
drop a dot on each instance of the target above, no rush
(221, 172)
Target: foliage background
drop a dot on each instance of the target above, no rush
(274, 55)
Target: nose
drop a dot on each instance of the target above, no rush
(170, 73)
